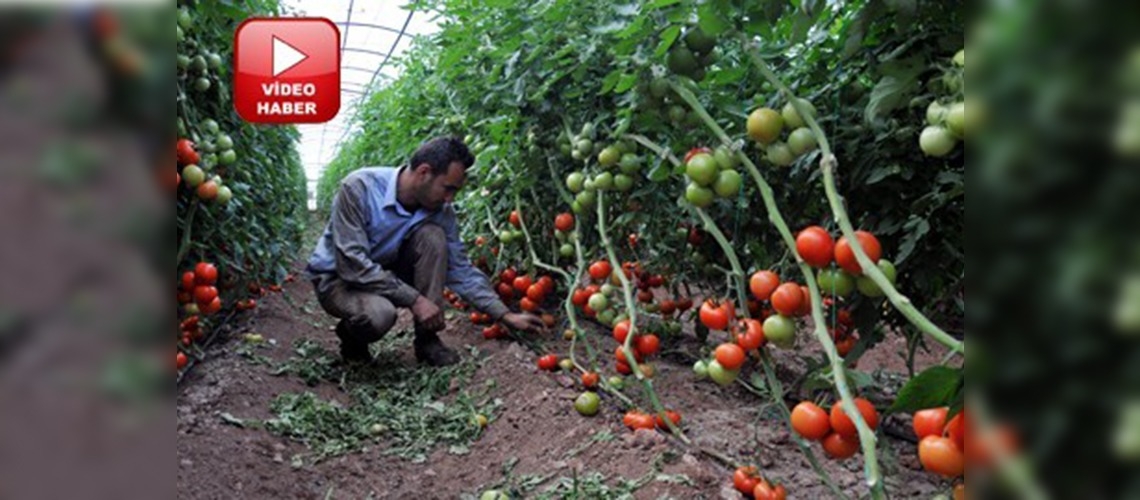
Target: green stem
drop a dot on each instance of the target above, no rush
(828, 165)
(631, 307)
(184, 247)
(839, 374)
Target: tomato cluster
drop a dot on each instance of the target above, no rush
(835, 431)
(748, 481)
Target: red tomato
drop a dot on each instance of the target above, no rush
(810, 421)
(930, 422)
(839, 447)
(536, 293)
(515, 219)
(788, 299)
(564, 222)
(186, 153)
(522, 284)
(805, 306)
(730, 356)
(844, 426)
(621, 331)
(956, 429)
(180, 361)
(673, 417)
(941, 456)
(506, 291)
(745, 479)
(716, 315)
(750, 334)
(647, 345)
(668, 307)
(203, 295)
(590, 380)
(684, 304)
(528, 305)
(547, 283)
(548, 363)
(205, 274)
(619, 355)
(765, 491)
(600, 270)
(508, 275)
(188, 281)
(815, 246)
(845, 256)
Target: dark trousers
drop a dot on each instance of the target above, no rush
(366, 316)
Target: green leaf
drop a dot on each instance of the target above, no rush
(667, 38)
(660, 172)
(881, 173)
(711, 20)
(657, 4)
(895, 89)
(936, 387)
(627, 82)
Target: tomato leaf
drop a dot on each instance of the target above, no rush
(667, 38)
(712, 23)
(657, 4)
(933, 388)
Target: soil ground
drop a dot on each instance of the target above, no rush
(535, 444)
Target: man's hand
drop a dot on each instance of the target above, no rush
(524, 321)
(428, 315)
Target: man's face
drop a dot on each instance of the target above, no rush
(438, 190)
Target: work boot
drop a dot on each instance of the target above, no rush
(430, 350)
(352, 351)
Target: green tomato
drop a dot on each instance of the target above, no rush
(566, 250)
(701, 368)
(179, 35)
(699, 196)
(587, 404)
(185, 21)
(616, 382)
(589, 185)
(792, 117)
(780, 155)
(202, 84)
(224, 195)
(630, 164)
(727, 183)
(224, 142)
(506, 236)
(935, 113)
(228, 157)
(584, 146)
(956, 119)
(869, 288)
(802, 141)
(214, 60)
(607, 317)
(198, 63)
(608, 289)
(576, 182)
(781, 331)
(598, 302)
(702, 169)
(193, 176)
(604, 181)
(623, 182)
(211, 127)
(723, 377)
(725, 159)
(586, 199)
(609, 156)
(576, 207)
(836, 282)
(960, 58)
(494, 495)
(566, 365)
(936, 141)
(183, 62)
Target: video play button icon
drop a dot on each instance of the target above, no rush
(287, 70)
(285, 56)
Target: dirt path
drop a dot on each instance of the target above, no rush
(535, 442)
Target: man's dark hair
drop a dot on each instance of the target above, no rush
(441, 152)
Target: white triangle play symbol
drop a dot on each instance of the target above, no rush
(285, 56)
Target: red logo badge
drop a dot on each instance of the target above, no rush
(287, 70)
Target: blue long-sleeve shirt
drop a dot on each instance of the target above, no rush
(363, 238)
